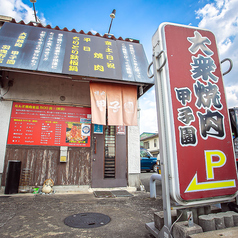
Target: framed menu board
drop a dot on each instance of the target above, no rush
(48, 50)
(49, 125)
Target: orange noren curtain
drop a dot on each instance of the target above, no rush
(114, 105)
(121, 101)
(98, 103)
(129, 100)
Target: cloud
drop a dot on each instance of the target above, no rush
(148, 117)
(19, 11)
(93, 31)
(221, 18)
(232, 95)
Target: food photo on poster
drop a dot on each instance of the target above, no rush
(77, 132)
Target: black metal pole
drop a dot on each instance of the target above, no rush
(34, 11)
(110, 26)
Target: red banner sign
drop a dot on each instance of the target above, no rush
(204, 158)
(49, 125)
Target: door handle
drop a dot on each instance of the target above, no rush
(95, 145)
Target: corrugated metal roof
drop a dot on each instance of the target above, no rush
(112, 37)
(150, 137)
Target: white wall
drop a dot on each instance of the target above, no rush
(35, 88)
(133, 149)
(5, 114)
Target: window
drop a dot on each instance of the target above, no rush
(145, 153)
(155, 142)
(146, 145)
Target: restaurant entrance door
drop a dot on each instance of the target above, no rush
(109, 165)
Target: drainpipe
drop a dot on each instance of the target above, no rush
(153, 184)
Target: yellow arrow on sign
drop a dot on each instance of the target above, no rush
(194, 186)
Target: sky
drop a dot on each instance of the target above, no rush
(139, 19)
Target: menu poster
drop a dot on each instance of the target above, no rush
(49, 50)
(49, 125)
(121, 130)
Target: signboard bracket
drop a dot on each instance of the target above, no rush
(165, 59)
(231, 65)
(162, 65)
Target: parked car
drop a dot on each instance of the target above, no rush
(148, 162)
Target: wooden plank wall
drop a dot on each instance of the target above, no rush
(44, 163)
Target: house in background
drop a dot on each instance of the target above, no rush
(150, 141)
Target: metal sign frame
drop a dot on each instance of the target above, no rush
(166, 124)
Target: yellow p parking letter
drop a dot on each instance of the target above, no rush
(211, 164)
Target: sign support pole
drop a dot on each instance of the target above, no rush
(158, 67)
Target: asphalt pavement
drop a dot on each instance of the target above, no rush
(29, 215)
(34, 215)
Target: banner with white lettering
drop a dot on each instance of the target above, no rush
(114, 104)
(129, 100)
(98, 103)
(121, 104)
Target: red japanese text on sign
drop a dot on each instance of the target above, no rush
(49, 125)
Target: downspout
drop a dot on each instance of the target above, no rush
(153, 178)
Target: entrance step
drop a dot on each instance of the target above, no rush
(112, 194)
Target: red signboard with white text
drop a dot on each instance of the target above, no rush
(49, 125)
(203, 164)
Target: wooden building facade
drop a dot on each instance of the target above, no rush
(45, 105)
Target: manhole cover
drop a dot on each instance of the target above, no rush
(103, 194)
(87, 220)
(121, 193)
